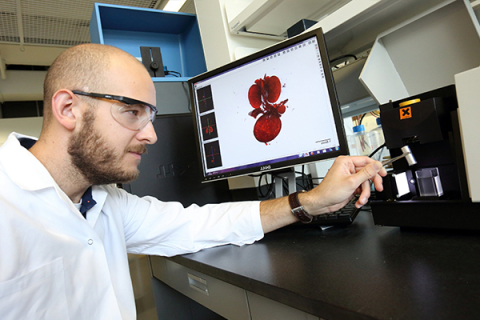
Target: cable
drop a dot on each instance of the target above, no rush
(376, 150)
(361, 119)
(270, 186)
(285, 187)
(305, 179)
(375, 114)
(309, 186)
(343, 57)
(173, 73)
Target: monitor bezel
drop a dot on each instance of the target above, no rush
(337, 115)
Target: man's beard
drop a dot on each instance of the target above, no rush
(95, 160)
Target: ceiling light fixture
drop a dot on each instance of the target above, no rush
(174, 5)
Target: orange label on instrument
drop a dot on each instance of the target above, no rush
(405, 113)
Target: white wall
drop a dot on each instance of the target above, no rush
(219, 45)
(16, 85)
(22, 86)
(27, 126)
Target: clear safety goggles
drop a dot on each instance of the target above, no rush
(131, 113)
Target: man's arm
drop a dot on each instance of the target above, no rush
(347, 176)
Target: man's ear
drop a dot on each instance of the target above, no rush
(65, 108)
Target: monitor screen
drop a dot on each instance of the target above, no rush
(274, 109)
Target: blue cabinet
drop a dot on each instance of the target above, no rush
(129, 28)
(177, 35)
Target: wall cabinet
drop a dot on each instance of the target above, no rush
(176, 34)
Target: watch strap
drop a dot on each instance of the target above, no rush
(297, 209)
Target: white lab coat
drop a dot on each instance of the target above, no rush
(54, 264)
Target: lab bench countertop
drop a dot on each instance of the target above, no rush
(361, 271)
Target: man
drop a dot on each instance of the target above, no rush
(65, 230)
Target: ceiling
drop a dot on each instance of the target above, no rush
(34, 32)
(56, 23)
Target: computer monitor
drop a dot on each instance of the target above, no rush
(274, 109)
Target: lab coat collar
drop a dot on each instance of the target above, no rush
(28, 173)
(22, 166)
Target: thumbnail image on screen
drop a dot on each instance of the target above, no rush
(205, 99)
(212, 155)
(209, 126)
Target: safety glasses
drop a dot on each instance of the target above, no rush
(131, 113)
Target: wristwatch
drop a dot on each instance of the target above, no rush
(297, 209)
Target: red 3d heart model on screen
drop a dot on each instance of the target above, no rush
(263, 96)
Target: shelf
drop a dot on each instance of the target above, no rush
(176, 34)
(274, 17)
(353, 28)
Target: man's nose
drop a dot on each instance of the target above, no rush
(147, 134)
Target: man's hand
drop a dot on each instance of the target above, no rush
(347, 177)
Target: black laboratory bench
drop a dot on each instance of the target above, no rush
(362, 271)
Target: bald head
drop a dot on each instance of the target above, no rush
(84, 67)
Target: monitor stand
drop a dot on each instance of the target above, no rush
(287, 175)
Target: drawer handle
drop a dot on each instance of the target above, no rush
(198, 283)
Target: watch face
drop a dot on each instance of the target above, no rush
(302, 215)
